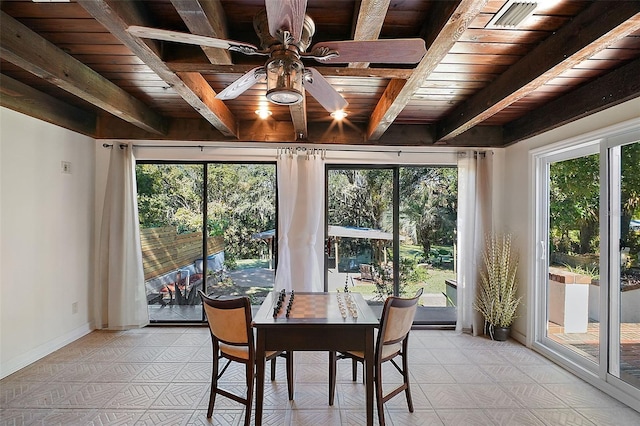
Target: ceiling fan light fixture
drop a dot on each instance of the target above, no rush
(339, 114)
(284, 79)
(263, 113)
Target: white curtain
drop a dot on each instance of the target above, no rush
(287, 180)
(121, 301)
(300, 220)
(474, 222)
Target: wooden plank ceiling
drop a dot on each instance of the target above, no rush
(75, 65)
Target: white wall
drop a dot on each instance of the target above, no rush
(517, 197)
(46, 232)
(47, 223)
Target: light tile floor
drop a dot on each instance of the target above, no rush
(161, 376)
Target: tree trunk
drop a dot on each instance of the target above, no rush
(587, 232)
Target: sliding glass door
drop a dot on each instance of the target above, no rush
(588, 257)
(391, 230)
(229, 253)
(170, 205)
(241, 217)
(359, 239)
(571, 302)
(624, 169)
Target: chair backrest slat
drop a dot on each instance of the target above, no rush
(397, 317)
(229, 319)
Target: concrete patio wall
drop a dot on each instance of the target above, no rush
(629, 304)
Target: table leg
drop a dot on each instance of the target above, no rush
(260, 361)
(368, 363)
(332, 376)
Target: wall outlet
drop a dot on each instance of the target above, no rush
(65, 167)
(74, 308)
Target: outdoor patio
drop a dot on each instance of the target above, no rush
(587, 344)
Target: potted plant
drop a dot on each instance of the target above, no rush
(497, 299)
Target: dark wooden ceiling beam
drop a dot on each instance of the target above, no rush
(207, 18)
(27, 100)
(609, 90)
(592, 31)
(200, 131)
(370, 18)
(31, 52)
(324, 70)
(453, 25)
(116, 16)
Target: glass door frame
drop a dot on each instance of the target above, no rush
(611, 168)
(442, 320)
(205, 200)
(607, 142)
(395, 211)
(543, 163)
(204, 253)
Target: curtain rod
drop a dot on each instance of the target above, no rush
(301, 148)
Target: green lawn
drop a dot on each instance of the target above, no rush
(433, 283)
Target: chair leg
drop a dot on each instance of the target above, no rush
(214, 385)
(377, 378)
(289, 365)
(273, 369)
(251, 379)
(354, 369)
(332, 376)
(405, 374)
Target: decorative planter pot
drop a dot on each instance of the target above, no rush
(500, 334)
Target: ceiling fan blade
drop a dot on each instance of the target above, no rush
(387, 51)
(242, 84)
(167, 35)
(286, 14)
(324, 93)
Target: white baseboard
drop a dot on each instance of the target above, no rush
(21, 361)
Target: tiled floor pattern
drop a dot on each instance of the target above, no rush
(161, 376)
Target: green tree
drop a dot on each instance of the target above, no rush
(170, 195)
(630, 193)
(574, 206)
(241, 203)
(361, 198)
(428, 207)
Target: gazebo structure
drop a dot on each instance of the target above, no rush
(336, 232)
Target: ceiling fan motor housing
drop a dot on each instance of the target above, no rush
(284, 76)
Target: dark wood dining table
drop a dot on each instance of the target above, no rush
(315, 322)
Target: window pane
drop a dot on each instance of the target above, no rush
(170, 212)
(428, 213)
(573, 316)
(360, 240)
(241, 218)
(629, 280)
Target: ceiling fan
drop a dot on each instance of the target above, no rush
(285, 33)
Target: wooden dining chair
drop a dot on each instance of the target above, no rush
(232, 338)
(392, 341)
